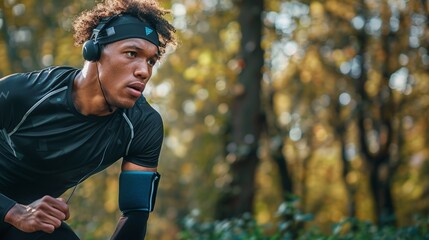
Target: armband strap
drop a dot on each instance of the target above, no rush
(137, 190)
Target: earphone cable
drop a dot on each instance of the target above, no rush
(102, 90)
(91, 172)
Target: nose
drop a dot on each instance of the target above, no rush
(143, 71)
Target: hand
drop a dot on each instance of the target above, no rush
(45, 214)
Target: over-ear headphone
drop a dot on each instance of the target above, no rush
(91, 49)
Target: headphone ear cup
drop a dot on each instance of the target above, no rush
(91, 51)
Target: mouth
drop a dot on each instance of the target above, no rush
(136, 88)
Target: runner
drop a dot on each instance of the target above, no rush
(60, 125)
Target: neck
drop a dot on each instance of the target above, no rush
(88, 93)
(102, 91)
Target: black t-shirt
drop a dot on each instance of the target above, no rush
(47, 146)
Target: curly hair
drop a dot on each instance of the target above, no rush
(146, 10)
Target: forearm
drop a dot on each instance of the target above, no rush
(131, 226)
(137, 192)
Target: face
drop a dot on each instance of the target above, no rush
(124, 68)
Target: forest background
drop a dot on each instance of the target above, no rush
(263, 100)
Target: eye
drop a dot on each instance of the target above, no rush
(151, 62)
(131, 54)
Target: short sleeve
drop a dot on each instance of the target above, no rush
(148, 137)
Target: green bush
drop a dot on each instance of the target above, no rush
(291, 226)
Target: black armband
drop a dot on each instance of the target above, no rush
(137, 190)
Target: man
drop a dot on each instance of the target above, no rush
(60, 125)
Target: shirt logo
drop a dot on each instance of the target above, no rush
(4, 95)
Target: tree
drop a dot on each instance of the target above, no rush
(32, 42)
(245, 122)
(365, 64)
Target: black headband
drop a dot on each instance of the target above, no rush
(127, 26)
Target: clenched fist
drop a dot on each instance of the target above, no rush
(45, 214)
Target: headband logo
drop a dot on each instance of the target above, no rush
(110, 31)
(148, 31)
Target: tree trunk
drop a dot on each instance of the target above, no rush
(377, 161)
(277, 143)
(340, 126)
(245, 127)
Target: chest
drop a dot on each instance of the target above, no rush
(65, 142)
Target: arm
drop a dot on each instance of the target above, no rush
(47, 213)
(132, 225)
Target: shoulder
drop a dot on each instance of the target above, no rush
(142, 111)
(144, 118)
(52, 74)
(24, 89)
(39, 77)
